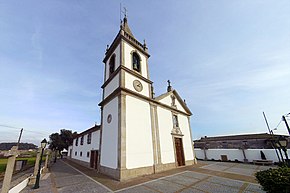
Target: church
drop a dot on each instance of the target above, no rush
(139, 134)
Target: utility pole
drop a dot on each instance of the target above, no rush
(19, 137)
(272, 143)
(267, 122)
(284, 119)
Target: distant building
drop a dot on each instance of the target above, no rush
(248, 141)
(243, 148)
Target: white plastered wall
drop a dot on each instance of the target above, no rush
(129, 84)
(69, 151)
(166, 143)
(117, 61)
(109, 152)
(94, 145)
(166, 140)
(128, 59)
(237, 154)
(167, 101)
(186, 139)
(139, 152)
(113, 85)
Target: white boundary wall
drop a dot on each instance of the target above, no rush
(19, 187)
(237, 154)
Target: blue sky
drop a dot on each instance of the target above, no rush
(230, 61)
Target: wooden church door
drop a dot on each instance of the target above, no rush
(179, 152)
(94, 159)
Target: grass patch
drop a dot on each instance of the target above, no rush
(30, 162)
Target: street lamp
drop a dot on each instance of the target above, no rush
(284, 119)
(283, 142)
(43, 144)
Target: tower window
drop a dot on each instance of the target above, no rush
(136, 62)
(112, 64)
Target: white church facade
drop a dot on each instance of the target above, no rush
(139, 133)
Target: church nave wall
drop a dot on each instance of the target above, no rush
(139, 150)
(109, 146)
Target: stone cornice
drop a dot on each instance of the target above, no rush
(127, 70)
(126, 91)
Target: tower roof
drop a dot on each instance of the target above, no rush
(125, 27)
(126, 34)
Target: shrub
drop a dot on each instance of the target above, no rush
(275, 180)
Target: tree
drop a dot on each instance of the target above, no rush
(61, 141)
(67, 138)
(54, 141)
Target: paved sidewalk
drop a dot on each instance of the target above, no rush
(63, 178)
(67, 177)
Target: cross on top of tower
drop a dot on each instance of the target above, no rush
(125, 12)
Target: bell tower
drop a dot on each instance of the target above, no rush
(126, 138)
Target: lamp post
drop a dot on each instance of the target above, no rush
(43, 144)
(284, 119)
(283, 142)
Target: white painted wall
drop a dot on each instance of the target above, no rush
(129, 84)
(178, 106)
(167, 101)
(232, 154)
(117, 62)
(187, 140)
(69, 150)
(113, 85)
(95, 140)
(139, 149)
(19, 187)
(109, 156)
(166, 142)
(128, 59)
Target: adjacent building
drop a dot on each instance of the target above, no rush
(85, 147)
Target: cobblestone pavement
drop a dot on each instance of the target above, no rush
(236, 168)
(212, 177)
(189, 181)
(65, 179)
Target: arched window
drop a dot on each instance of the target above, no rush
(136, 62)
(112, 64)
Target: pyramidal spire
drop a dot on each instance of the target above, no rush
(124, 24)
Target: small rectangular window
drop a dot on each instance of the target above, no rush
(89, 139)
(81, 154)
(77, 141)
(76, 153)
(82, 140)
(88, 154)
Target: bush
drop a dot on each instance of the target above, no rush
(275, 180)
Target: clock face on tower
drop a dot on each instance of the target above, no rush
(137, 85)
